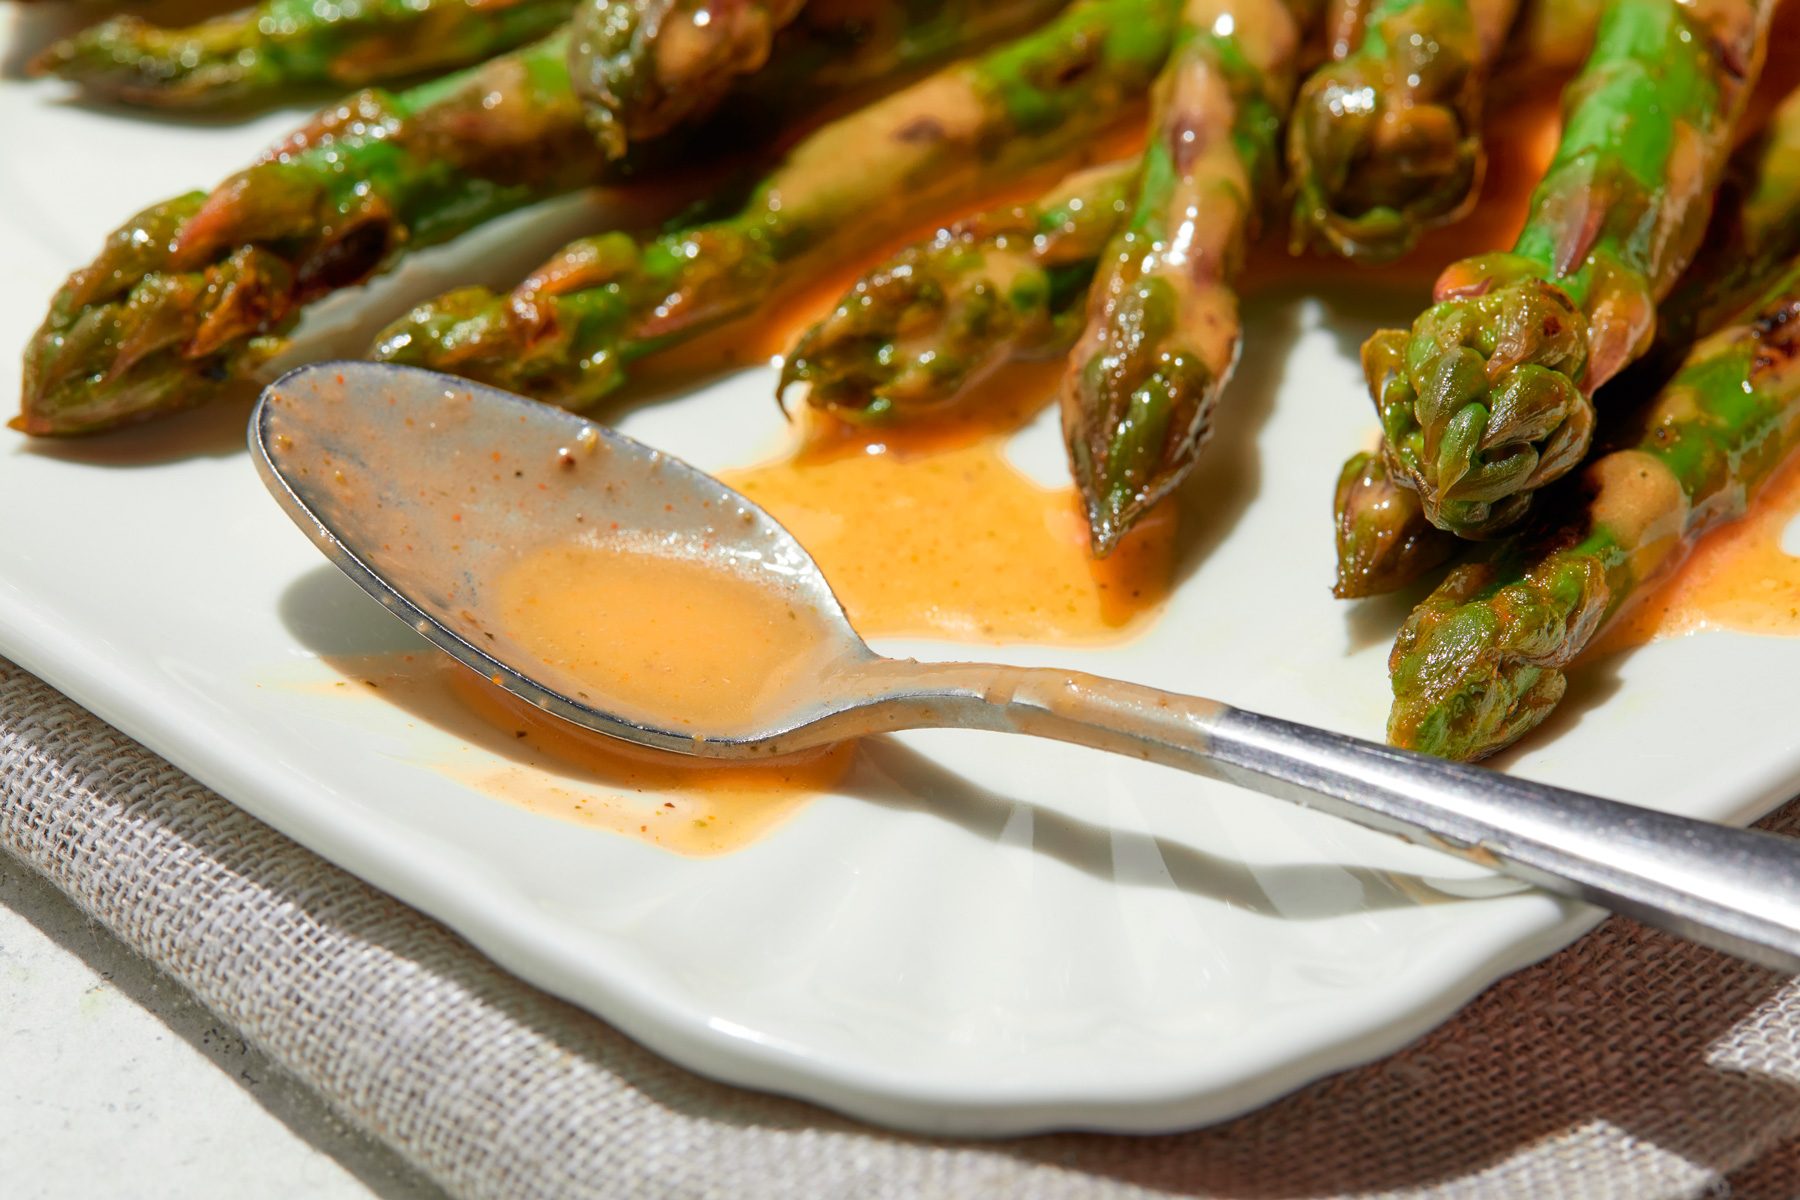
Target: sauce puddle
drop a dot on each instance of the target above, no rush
(928, 531)
(545, 765)
(1738, 578)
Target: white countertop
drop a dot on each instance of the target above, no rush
(115, 1082)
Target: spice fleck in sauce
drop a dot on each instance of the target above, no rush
(1738, 578)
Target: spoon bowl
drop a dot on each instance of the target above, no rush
(424, 488)
(428, 490)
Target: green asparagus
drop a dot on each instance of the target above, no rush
(1386, 143)
(921, 328)
(254, 54)
(1162, 332)
(198, 291)
(1384, 541)
(643, 66)
(1489, 396)
(1482, 661)
(568, 333)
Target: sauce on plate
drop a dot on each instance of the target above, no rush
(514, 753)
(1739, 578)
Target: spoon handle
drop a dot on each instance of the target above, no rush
(1735, 890)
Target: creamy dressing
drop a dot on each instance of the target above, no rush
(930, 531)
(514, 753)
(666, 637)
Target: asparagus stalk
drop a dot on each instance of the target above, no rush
(198, 291)
(1482, 660)
(1384, 541)
(1386, 142)
(569, 332)
(1554, 35)
(1162, 332)
(918, 330)
(252, 55)
(1489, 396)
(643, 66)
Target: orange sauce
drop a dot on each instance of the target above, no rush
(929, 531)
(515, 753)
(1737, 578)
(672, 639)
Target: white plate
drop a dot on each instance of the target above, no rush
(981, 935)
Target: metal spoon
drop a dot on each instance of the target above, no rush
(393, 473)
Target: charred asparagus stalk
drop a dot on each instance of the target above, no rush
(252, 55)
(568, 333)
(1489, 396)
(642, 66)
(1386, 142)
(1482, 660)
(199, 290)
(917, 331)
(1163, 331)
(1384, 541)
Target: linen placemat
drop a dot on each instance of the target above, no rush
(1630, 1065)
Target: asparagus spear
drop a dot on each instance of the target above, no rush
(1386, 143)
(919, 329)
(1553, 35)
(253, 54)
(1385, 542)
(1488, 398)
(199, 290)
(1162, 331)
(642, 66)
(568, 333)
(1482, 661)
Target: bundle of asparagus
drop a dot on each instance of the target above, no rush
(1129, 267)
(198, 290)
(1482, 660)
(1488, 398)
(569, 331)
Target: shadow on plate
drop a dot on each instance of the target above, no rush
(330, 616)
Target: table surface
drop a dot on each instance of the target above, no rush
(118, 1083)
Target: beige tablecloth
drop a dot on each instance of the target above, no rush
(1630, 1065)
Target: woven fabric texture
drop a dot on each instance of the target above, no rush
(1630, 1065)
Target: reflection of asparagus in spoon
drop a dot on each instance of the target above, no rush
(916, 331)
(251, 55)
(1489, 396)
(568, 333)
(1163, 330)
(1384, 541)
